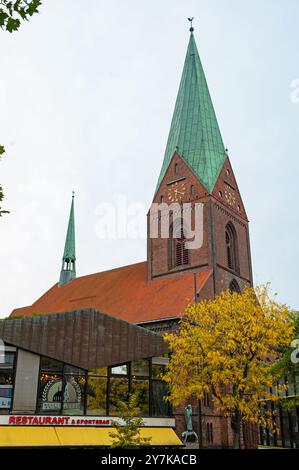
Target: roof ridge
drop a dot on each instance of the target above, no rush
(111, 269)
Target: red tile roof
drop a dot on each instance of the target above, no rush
(122, 292)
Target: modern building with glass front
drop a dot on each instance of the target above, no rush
(72, 369)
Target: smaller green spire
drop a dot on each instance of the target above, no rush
(68, 269)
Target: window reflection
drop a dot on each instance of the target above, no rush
(96, 395)
(102, 371)
(50, 365)
(141, 387)
(6, 379)
(119, 391)
(73, 395)
(140, 368)
(50, 393)
(119, 370)
(160, 406)
(73, 370)
(158, 371)
(72, 391)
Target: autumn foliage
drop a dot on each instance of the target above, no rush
(227, 347)
(127, 433)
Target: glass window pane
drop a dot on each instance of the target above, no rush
(119, 390)
(142, 388)
(73, 370)
(50, 365)
(120, 370)
(158, 371)
(6, 379)
(7, 360)
(161, 360)
(160, 406)
(6, 391)
(73, 394)
(50, 394)
(140, 368)
(96, 396)
(102, 371)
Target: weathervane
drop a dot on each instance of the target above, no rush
(191, 20)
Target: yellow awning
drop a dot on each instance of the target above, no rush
(49, 436)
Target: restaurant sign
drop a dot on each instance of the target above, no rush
(34, 420)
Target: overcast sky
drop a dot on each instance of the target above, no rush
(87, 91)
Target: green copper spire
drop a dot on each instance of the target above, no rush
(68, 269)
(194, 131)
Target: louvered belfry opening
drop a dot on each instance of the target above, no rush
(181, 252)
(178, 252)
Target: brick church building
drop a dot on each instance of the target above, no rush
(154, 294)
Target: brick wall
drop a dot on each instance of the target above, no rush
(220, 208)
(224, 205)
(216, 428)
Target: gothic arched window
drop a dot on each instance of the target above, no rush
(234, 287)
(231, 243)
(178, 252)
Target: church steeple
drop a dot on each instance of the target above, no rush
(68, 269)
(197, 173)
(194, 131)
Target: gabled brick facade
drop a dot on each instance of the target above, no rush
(224, 206)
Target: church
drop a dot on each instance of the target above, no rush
(112, 322)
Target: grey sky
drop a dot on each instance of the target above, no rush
(86, 99)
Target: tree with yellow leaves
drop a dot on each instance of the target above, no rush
(227, 347)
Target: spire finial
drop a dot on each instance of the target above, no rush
(191, 21)
(73, 194)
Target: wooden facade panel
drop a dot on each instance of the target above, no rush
(131, 342)
(68, 337)
(60, 336)
(99, 332)
(87, 338)
(123, 344)
(44, 335)
(75, 353)
(93, 332)
(116, 339)
(51, 340)
(108, 345)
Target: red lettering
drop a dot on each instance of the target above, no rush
(24, 419)
(56, 420)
